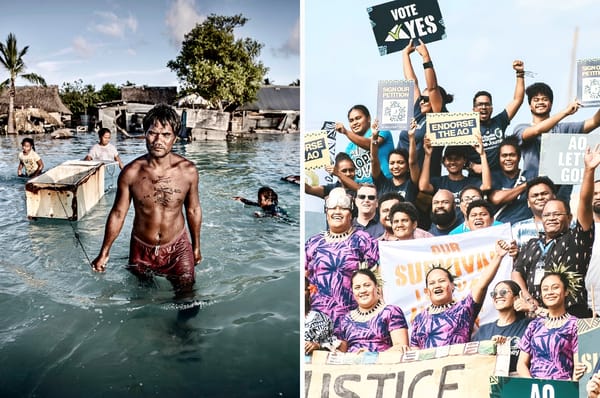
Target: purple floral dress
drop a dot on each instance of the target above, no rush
(453, 326)
(329, 266)
(551, 351)
(374, 334)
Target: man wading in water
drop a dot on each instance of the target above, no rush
(160, 183)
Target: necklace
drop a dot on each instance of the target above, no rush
(335, 237)
(436, 309)
(553, 322)
(360, 316)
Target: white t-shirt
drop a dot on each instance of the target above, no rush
(29, 161)
(105, 153)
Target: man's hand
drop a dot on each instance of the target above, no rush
(99, 263)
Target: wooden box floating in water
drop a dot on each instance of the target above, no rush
(69, 190)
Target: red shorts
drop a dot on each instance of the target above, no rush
(174, 260)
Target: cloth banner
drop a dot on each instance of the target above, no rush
(588, 333)
(404, 265)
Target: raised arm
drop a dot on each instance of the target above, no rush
(360, 140)
(413, 158)
(375, 164)
(318, 191)
(591, 123)
(424, 178)
(486, 174)
(513, 106)
(479, 288)
(346, 181)
(585, 214)
(545, 125)
(435, 96)
(409, 72)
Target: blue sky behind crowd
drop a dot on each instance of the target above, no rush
(116, 41)
(342, 63)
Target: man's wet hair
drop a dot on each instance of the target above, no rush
(165, 114)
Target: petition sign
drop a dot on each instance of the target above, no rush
(561, 156)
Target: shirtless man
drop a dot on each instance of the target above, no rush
(159, 183)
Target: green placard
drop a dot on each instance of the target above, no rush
(518, 387)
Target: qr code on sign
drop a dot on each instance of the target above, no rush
(591, 89)
(395, 111)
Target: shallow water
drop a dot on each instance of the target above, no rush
(68, 332)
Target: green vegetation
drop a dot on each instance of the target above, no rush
(213, 64)
(11, 59)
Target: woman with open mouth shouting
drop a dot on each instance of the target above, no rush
(447, 321)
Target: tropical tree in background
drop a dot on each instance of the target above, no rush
(78, 97)
(12, 60)
(213, 64)
(109, 92)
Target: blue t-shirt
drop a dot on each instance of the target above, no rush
(434, 230)
(444, 182)
(530, 149)
(492, 134)
(408, 190)
(513, 332)
(362, 158)
(517, 209)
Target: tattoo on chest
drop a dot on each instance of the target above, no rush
(163, 191)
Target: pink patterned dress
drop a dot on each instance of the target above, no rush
(551, 351)
(374, 334)
(329, 266)
(453, 326)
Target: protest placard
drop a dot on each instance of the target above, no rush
(512, 387)
(454, 371)
(588, 81)
(316, 150)
(397, 22)
(452, 128)
(588, 333)
(404, 264)
(395, 107)
(561, 156)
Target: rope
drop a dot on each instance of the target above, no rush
(75, 232)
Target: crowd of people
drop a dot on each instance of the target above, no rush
(387, 193)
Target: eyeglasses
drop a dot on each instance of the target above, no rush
(555, 214)
(363, 197)
(499, 293)
(483, 105)
(424, 98)
(469, 199)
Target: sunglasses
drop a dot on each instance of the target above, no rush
(363, 197)
(499, 293)
(424, 98)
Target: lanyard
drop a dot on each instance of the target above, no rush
(545, 248)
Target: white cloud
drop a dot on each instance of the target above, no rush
(292, 44)
(112, 25)
(180, 19)
(82, 47)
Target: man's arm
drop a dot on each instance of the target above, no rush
(501, 196)
(585, 214)
(545, 125)
(318, 191)
(513, 106)
(193, 212)
(591, 123)
(114, 222)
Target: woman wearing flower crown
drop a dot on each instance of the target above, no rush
(372, 326)
(549, 344)
(332, 256)
(447, 321)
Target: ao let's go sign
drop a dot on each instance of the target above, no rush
(562, 155)
(396, 23)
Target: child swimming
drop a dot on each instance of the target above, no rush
(267, 201)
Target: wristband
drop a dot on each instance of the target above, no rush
(428, 64)
(521, 74)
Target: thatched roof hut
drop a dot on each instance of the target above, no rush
(40, 97)
(149, 95)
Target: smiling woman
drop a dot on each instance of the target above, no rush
(332, 256)
(446, 321)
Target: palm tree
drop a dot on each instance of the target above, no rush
(12, 60)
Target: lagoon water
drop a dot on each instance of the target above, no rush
(68, 332)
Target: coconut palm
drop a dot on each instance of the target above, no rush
(12, 60)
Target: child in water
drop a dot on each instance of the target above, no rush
(29, 160)
(267, 201)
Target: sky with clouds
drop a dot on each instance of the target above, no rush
(115, 41)
(342, 64)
